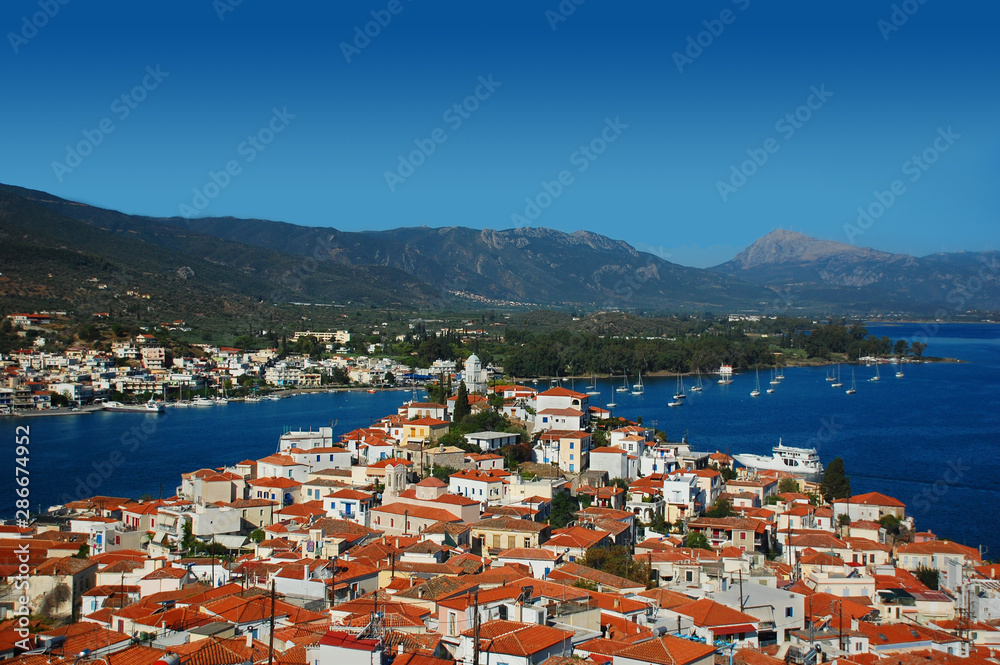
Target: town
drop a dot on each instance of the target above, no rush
(495, 522)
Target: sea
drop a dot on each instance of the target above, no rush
(930, 439)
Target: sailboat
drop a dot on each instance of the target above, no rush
(781, 374)
(674, 402)
(774, 378)
(854, 387)
(877, 377)
(899, 373)
(830, 376)
(680, 394)
(592, 388)
(698, 388)
(623, 388)
(756, 391)
(637, 388)
(838, 383)
(612, 404)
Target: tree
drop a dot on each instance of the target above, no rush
(788, 486)
(257, 535)
(917, 349)
(617, 560)
(836, 484)
(619, 482)
(928, 576)
(83, 552)
(901, 347)
(697, 540)
(462, 408)
(563, 506)
(443, 473)
(722, 508)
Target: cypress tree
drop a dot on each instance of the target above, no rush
(836, 484)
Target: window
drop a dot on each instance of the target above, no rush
(789, 612)
(317, 458)
(571, 444)
(688, 576)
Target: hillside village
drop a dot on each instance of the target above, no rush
(606, 543)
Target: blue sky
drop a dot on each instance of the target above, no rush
(635, 120)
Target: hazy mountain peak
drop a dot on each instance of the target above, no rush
(782, 246)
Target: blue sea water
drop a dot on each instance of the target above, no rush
(929, 439)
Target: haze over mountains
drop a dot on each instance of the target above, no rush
(228, 262)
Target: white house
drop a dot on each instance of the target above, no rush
(348, 504)
(492, 440)
(487, 487)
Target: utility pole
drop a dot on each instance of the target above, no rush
(270, 637)
(475, 628)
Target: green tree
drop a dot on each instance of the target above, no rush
(722, 508)
(788, 486)
(257, 535)
(917, 349)
(929, 577)
(83, 552)
(617, 560)
(443, 473)
(563, 506)
(697, 540)
(619, 482)
(462, 409)
(836, 484)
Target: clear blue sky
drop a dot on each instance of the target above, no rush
(560, 82)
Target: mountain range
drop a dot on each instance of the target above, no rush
(55, 254)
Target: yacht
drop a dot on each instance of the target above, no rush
(637, 389)
(725, 375)
(854, 386)
(623, 388)
(877, 377)
(756, 391)
(148, 407)
(837, 383)
(698, 387)
(800, 461)
(202, 401)
(680, 394)
(592, 388)
(774, 378)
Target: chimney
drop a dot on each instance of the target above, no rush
(249, 637)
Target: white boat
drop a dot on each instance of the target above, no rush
(680, 394)
(148, 407)
(837, 382)
(800, 461)
(899, 374)
(698, 387)
(637, 388)
(756, 391)
(251, 398)
(726, 375)
(592, 388)
(877, 376)
(774, 378)
(675, 402)
(623, 388)
(830, 376)
(202, 401)
(781, 374)
(854, 386)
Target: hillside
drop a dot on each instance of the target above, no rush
(57, 261)
(817, 273)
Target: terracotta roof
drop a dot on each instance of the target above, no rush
(708, 613)
(873, 499)
(668, 650)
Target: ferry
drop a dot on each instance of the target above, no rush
(800, 461)
(148, 407)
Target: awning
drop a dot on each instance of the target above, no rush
(733, 630)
